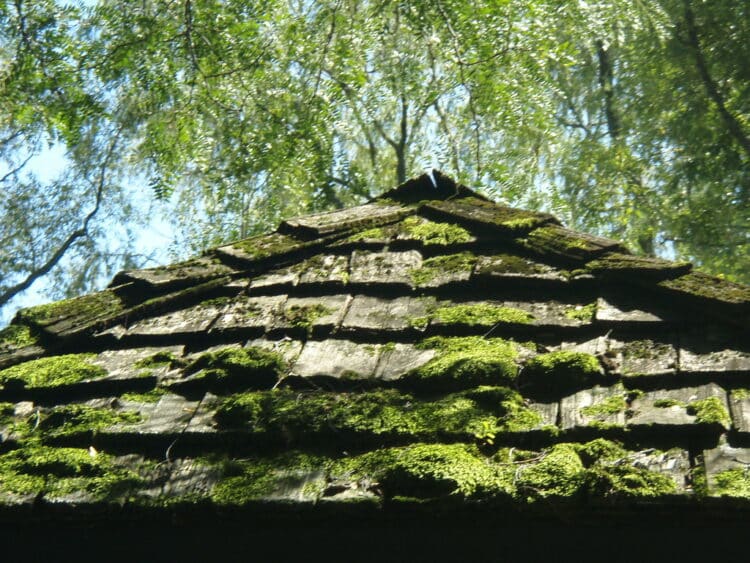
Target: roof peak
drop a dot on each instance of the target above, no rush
(432, 185)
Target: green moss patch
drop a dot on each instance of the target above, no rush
(253, 479)
(304, 317)
(215, 303)
(152, 396)
(59, 471)
(609, 406)
(626, 480)
(710, 411)
(732, 483)
(17, 336)
(610, 473)
(6, 412)
(558, 472)
(53, 371)
(557, 240)
(382, 414)
(376, 233)
(430, 470)
(260, 367)
(85, 309)
(710, 287)
(430, 232)
(583, 313)
(481, 314)
(706, 411)
(599, 469)
(438, 266)
(600, 450)
(77, 419)
(158, 360)
(557, 373)
(668, 403)
(466, 362)
(266, 246)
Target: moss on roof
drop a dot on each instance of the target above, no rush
(466, 362)
(52, 371)
(251, 410)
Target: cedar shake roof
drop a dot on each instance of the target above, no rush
(427, 352)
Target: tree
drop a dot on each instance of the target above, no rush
(628, 119)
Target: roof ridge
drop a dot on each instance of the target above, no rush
(432, 185)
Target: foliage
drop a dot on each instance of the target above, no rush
(629, 119)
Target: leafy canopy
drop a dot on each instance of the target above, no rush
(626, 119)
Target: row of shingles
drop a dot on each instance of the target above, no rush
(328, 358)
(610, 262)
(164, 421)
(665, 374)
(389, 317)
(708, 352)
(70, 325)
(165, 414)
(653, 414)
(370, 318)
(670, 462)
(320, 361)
(345, 350)
(663, 415)
(718, 446)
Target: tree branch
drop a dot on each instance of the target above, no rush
(373, 150)
(472, 107)
(79, 233)
(605, 83)
(401, 146)
(16, 170)
(712, 89)
(327, 46)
